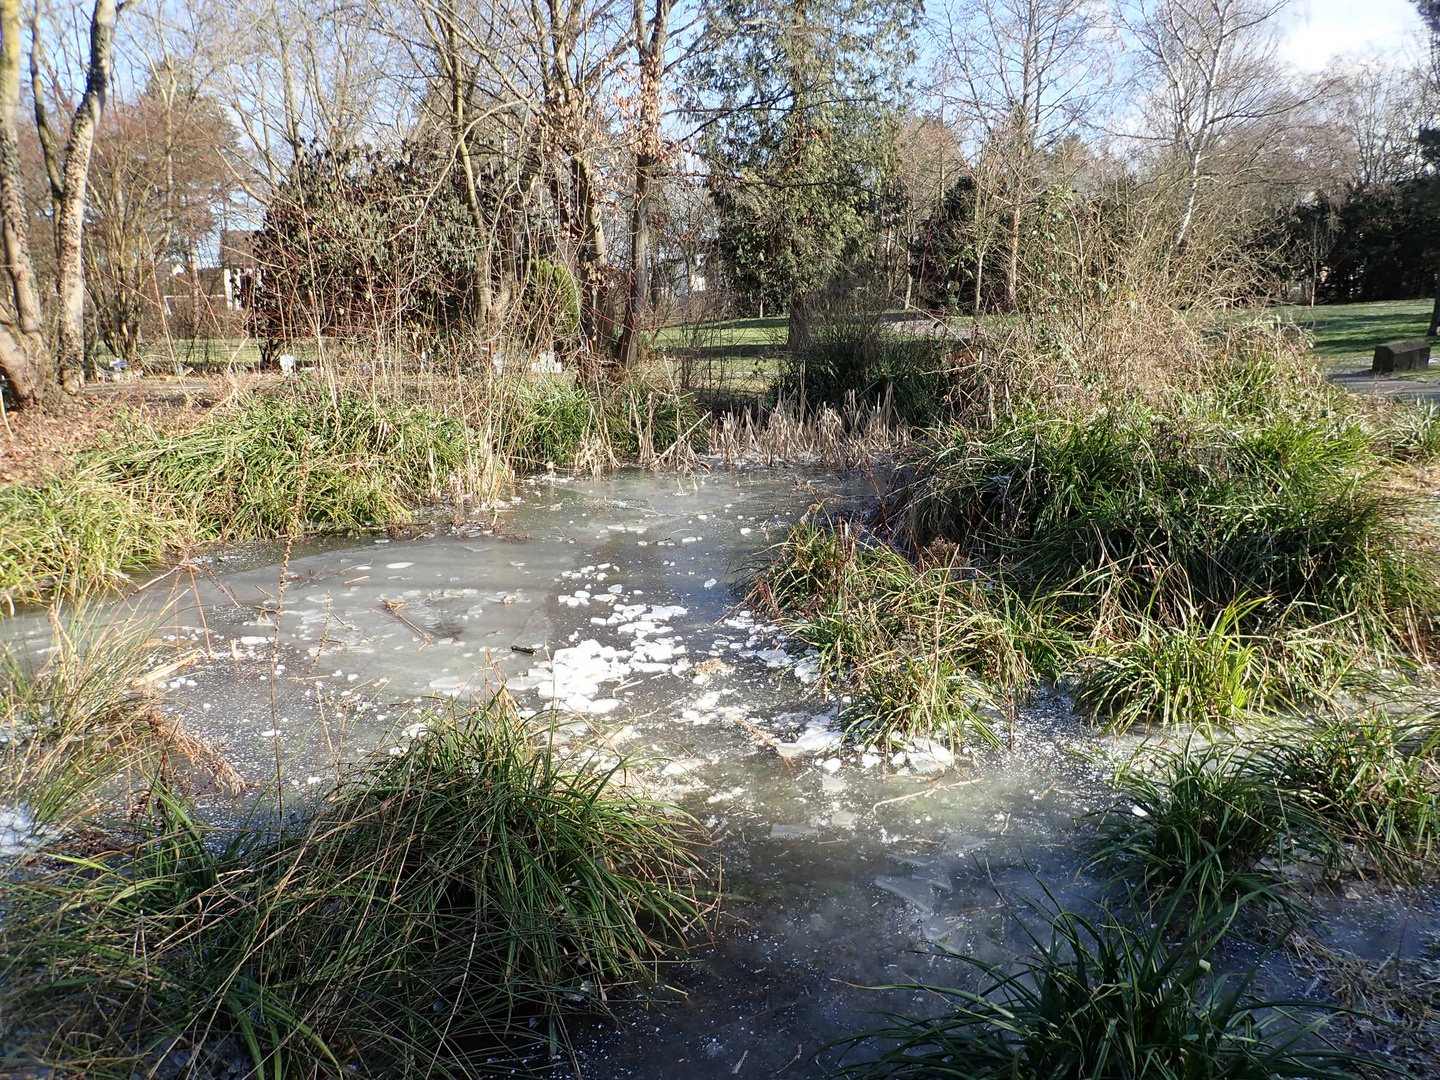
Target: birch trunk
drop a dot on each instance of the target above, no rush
(70, 218)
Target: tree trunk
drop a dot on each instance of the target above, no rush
(647, 163)
(24, 357)
(70, 223)
(591, 255)
(628, 349)
(1435, 311)
(797, 337)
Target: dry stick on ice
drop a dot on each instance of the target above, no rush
(393, 607)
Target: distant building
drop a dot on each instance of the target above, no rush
(240, 269)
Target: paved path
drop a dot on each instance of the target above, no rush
(1420, 387)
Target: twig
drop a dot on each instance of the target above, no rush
(766, 738)
(931, 790)
(393, 607)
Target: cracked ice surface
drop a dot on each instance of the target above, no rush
(586, 597)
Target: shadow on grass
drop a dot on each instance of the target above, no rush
(1355, 330)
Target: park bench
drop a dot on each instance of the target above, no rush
(1401, 356)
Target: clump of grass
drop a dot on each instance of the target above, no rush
(1410, 431)
(904, 696)
(82, 715)
(564, 423)
(1196, 673)
(1373, 780)
(293, 461)
(928, 651)
(1215, 550)
(861, 361)
(1193, 826)
(68, 536)
(1099, 1000)
(1216, 821)
(553, 419)
(442, 911)
(1168, 514)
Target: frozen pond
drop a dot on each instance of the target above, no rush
(621, 601)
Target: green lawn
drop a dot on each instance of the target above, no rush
(1345, 335)
(724, 333)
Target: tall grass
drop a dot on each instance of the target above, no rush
(1410, 431)
(68, 536)
(1197, 829)
(1193, 673)
(314, 458)
(568, 424)
(300, 460)
(441, 913)
(1373, 779)
(81, 722)
(1099, 1000)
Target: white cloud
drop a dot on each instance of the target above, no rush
(1314, 33)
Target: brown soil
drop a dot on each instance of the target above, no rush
(35, 443)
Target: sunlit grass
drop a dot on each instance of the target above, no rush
(442, 911)
(69, 536)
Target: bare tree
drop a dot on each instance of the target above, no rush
(1214, 95)
(69, 173)
(26, 355)
(525, 92)
(159, 184)
(1375, 108)
(1020, 76)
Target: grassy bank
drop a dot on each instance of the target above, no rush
(442, 911)
(307, 459)
(1220, 545)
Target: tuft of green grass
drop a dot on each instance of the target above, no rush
(69, 537)
(1372, 779)
(292, 462)
(927, 651)
(1099, 1000)
(1410, 431)
(1201, 827)
(443, 911)
(1195, 673)
(862, 361)
(1223, 550)
(564, 424)
(1212, 822)
(904, 696)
